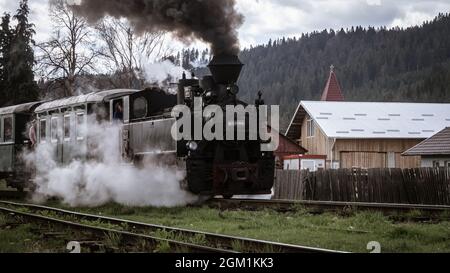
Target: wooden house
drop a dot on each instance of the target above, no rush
(364, 134)
(434, 151)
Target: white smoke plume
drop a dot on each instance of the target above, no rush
(106, 178)
(162, 73)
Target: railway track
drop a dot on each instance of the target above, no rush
(211, 242)
(324, 206)
(127, 237)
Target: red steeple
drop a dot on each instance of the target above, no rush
(332, 91)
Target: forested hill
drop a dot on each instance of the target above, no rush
(410, 65)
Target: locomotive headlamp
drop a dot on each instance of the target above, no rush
(192, 145)
(209, 95)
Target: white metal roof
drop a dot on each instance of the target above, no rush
(378, 119)
(22, 108)
(94, 97)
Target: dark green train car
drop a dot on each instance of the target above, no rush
(14, 140)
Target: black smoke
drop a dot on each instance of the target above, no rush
(213, 21)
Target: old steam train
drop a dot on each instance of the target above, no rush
(217, 167)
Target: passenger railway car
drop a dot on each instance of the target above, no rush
(14, 122)
(62, 123)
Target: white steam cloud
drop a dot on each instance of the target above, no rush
(162, 73)
(104, 178)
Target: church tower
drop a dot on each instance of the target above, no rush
(332, 91)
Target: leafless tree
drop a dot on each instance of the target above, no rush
(125, 51)
(70, 52)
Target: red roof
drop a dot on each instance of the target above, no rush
(332, 91)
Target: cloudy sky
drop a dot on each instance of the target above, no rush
(267, 19)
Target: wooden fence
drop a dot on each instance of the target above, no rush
(409, 186)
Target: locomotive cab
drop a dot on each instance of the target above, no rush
(146, 134)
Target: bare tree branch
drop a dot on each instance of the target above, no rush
(125, 50)
(69, 52)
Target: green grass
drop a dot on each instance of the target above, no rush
(23, 238)
(113, 240)
(347, 233)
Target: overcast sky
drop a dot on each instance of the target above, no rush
(267, 19)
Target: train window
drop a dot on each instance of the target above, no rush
(79, 126)
(67, 128)
(43, 130)
(118, 110)
(8, 129)
(54, 129)
(140, 107)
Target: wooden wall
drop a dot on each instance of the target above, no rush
(376, 145)
(407, 161)
(364, 153)
(362, 160)
(374, 153)
(317, 145)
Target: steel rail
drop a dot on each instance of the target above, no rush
(128, 236)
(332, 205)
(216, 240)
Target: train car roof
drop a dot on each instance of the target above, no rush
(26, 108)
(95, 97)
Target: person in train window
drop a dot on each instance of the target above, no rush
(118, 112)
(32, 133)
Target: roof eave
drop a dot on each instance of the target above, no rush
(90, 98)
(425, 154)
(293, 118)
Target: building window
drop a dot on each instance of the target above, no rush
(8, 129)
(54, 130)
(80, 128)
(310, 128)
(67, 128)
(43, 130)
(336, 165)
(391, 159)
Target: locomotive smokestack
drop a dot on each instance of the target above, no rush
(225, 68)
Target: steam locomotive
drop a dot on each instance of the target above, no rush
(217, 167)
